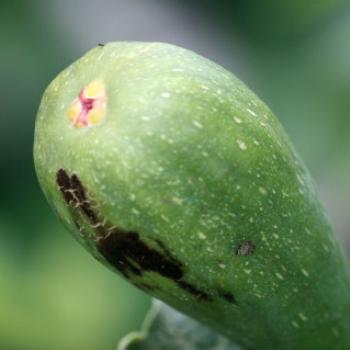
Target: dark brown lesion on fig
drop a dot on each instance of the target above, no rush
(193, 290)
(245, 248)
(123, 249)
(165, 250)
(74, 194)
(63, 181)
(126, 251)
(229, 297)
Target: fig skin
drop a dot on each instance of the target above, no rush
(170, 171)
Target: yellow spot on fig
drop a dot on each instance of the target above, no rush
(74, 110)
(95, 89)
(89, 107)
(95, 115)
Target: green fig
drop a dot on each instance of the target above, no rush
(170, 171)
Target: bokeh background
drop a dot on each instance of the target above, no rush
(295, 54)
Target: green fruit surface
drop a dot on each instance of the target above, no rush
(190, 188)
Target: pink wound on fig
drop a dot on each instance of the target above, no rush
(89, 107)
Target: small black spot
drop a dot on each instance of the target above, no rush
(101, 45)
(229, 297)
(193, 290)
(245, 248)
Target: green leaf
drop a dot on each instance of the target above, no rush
(167, 329)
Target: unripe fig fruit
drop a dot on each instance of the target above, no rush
(169, 170)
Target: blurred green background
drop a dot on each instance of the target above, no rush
(294, 53)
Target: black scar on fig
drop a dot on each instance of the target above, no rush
(191, 289)
(229, 297)
(164, 248)
(123, 249)
(126, 251)
(63, 181)
(74, 194)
